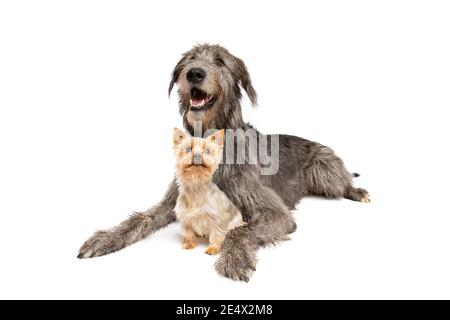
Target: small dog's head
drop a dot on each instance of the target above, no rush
(209, 80)
(197, 159)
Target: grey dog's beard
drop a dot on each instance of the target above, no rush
(197, 115)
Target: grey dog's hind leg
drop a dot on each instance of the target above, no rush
(357, 194)
(326, 176)
(135, 228)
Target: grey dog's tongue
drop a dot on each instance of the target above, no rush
(197, 102)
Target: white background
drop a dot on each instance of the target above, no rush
(85, 138)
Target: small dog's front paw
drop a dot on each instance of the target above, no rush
(188, 245)
(212, 250)
(236, 264)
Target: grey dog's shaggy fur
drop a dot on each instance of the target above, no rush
(305, 168)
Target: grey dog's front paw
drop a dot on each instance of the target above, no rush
(101, 243)
(236, 264)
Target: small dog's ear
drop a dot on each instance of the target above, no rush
(178, 136)
(246, 81)
(176, 73)
(217, 137)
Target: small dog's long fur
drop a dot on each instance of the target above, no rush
(305, 168)
(202, 208)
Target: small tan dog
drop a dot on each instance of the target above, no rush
(202, 208)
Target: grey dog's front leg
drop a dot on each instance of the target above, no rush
(135, 228)
(268, 222)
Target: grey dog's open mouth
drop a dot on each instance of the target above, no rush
(200, 100)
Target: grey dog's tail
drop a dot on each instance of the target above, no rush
(355, 175)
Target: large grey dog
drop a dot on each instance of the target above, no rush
(210, 74)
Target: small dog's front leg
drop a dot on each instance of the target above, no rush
(215, 242)
(189, 238)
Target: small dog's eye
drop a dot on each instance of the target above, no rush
(207, 151)
(219, 62)
(188, 149)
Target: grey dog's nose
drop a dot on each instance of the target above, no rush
(196, 75)
(197, 158)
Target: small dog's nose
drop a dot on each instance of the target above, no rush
(196, 75)
(197, 158)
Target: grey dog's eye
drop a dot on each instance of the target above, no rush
(219, 62)
(207, 151)
(188, 149)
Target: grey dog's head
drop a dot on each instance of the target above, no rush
(209, 82)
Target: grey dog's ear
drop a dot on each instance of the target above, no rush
(176, 73)
(246, 81)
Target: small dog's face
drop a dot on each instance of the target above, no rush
(197, 159)
(208, 78)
